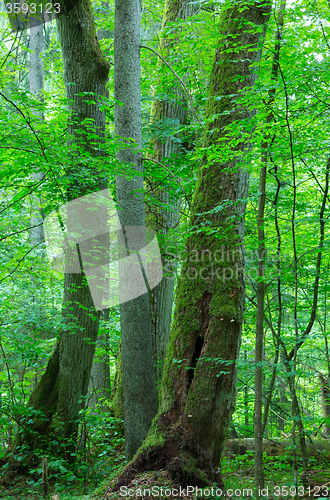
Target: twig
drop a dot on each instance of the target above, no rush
(171, 173)
(8, 372)
(20, 261)
(178, 77)
(21, 231)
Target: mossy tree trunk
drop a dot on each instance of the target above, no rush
(199, 382)
(165, 218)
(65, 381)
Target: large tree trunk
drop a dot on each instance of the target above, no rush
(66, 378)
(199, 382)
(139, 386)
(166, 218)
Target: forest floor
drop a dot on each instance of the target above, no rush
(238, 475)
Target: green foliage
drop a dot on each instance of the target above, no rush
(99, 451)
(298, 151)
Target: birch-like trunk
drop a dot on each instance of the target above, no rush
(139, 386)
(36, 76)
(167, 217)
(261, 290)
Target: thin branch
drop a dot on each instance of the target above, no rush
(173, 175)
(318, 264)
(28, 122)
(20, 231)
(20, 261)
(178, 77)
(8, 372)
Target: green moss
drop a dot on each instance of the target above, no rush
(172, 10)
(155, 437)
(118, 395)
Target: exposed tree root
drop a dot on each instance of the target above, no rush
(186, 463)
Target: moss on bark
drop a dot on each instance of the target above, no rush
(118, 395)
(199, 382)
(59, 392)
(177, 450)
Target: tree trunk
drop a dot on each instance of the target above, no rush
(173, 110)
(199, 381)
(284, 408)
(36, 76)
(66, 378)
(258, 425)
(246, 402)
(99, 383)
(139, 386)
(297, 422)
(117, 393)
(325, 402)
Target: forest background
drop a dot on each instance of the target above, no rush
(283, 369)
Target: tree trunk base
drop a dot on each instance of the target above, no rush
(179, 454)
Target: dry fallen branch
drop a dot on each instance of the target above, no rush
(310, 493)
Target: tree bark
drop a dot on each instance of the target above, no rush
(199, 381)
(117, 393)
(99, 383)
(283, 405)
(65, 381)
(258, 425)
(139, 386)
(325, 401)
(165, 219)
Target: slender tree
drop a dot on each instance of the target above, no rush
(99, 383)
(139, 386)
(36, 76)
(167, 216)
(165, 219)
(259, 426)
